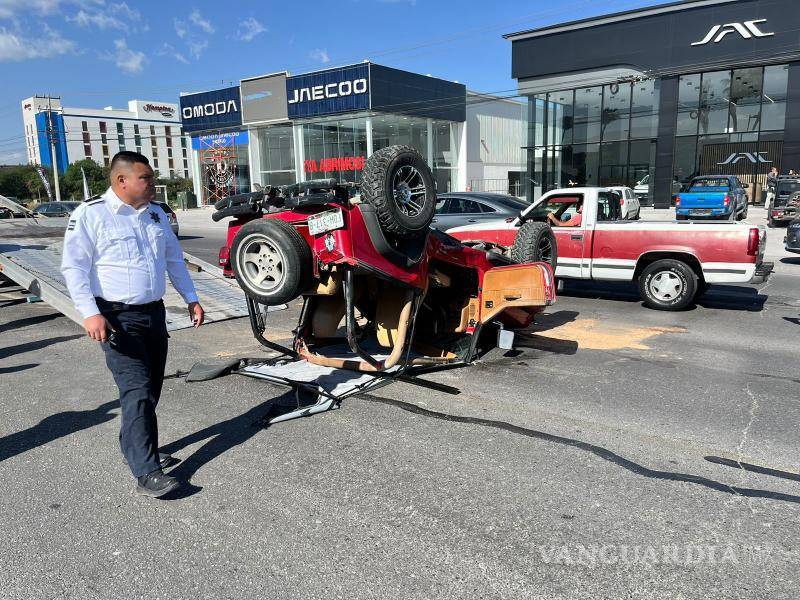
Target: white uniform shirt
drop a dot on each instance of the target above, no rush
(116, 252)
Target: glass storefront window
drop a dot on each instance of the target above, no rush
(276, 152)
(684, 159)
(715, 102)
(773, 111)
(536, 120)
(745, 100)
(688, 105)
(613, 163)
(335, 148)
(388, 130)
(559, 116)
(616, 111)
(644, 109)
(585, 163)
(641, 164)
(445, 154)
(588, 103)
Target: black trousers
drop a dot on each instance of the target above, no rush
(136, 355)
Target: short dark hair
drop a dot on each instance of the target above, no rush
(128, 157)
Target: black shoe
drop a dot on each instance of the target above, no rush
(165, 461)
(156, 484)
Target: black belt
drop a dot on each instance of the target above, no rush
(102, 302)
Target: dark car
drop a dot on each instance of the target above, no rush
(57, 209)
(785, 205)
(792, 240)
(455, 209)
(173, 218)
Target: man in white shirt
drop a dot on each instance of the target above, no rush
(117, 250)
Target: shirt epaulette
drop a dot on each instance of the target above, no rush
(97, 201)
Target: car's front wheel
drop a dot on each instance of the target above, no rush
(271, 261)
(668, 284)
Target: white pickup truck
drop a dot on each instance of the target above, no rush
(580, 232)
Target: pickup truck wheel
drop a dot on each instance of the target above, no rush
(668, 285)
(398, 182)
(535, 242)
(271, 261)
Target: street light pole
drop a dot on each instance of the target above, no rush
(51, 138)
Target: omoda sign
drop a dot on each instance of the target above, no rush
(212, 110)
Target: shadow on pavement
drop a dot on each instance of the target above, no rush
(794, 320)
(54, 427)
(18, 368)
(221, 438)
(727, 297)
(35, 345)
(20, 323)
(791, 260)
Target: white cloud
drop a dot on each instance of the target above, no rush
(170, 50)
(196, 48)
(197, 19)
(14, 47)
(114, 16)
(320, 55)
(180, 28)
(250, 28)
(130, 61)
(9, 8)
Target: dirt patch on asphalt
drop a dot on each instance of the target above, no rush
(593, 334)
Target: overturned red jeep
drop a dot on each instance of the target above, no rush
(382, 292)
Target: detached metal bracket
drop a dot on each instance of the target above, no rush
(258, 323)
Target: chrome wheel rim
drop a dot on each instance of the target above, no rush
(262, 264)
(545, 250)
(666, 286)
(409, 190)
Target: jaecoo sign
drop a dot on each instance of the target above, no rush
(345, 89)
(330, 90)
(747, 30)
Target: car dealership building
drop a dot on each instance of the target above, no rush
(277, 129)
(656, 95)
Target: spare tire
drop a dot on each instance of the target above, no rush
(398, 182)
(271, 261)
(535, 242)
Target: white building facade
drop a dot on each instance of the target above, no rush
(148, 127)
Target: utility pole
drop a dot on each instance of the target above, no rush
(52, 140)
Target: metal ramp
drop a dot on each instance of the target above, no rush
(30, 255)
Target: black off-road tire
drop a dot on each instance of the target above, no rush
(383, 186)
(271, 261)
(535, 242)
(672, 272)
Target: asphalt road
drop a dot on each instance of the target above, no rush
(619, 452)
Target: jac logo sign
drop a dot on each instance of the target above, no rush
(165, 110)
(331, 90)
(753, 157)
(210, 109)
(748, 30)
(343, 163)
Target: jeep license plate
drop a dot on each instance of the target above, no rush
(325, 221)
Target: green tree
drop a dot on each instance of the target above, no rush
(175, 185)
(13, 181)
(72, 181)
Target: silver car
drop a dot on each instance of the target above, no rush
(454, 209)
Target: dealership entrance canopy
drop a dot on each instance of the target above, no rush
(651, 97)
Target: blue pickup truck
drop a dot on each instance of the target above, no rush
(712, 197)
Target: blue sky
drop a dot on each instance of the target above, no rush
(96, 53)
